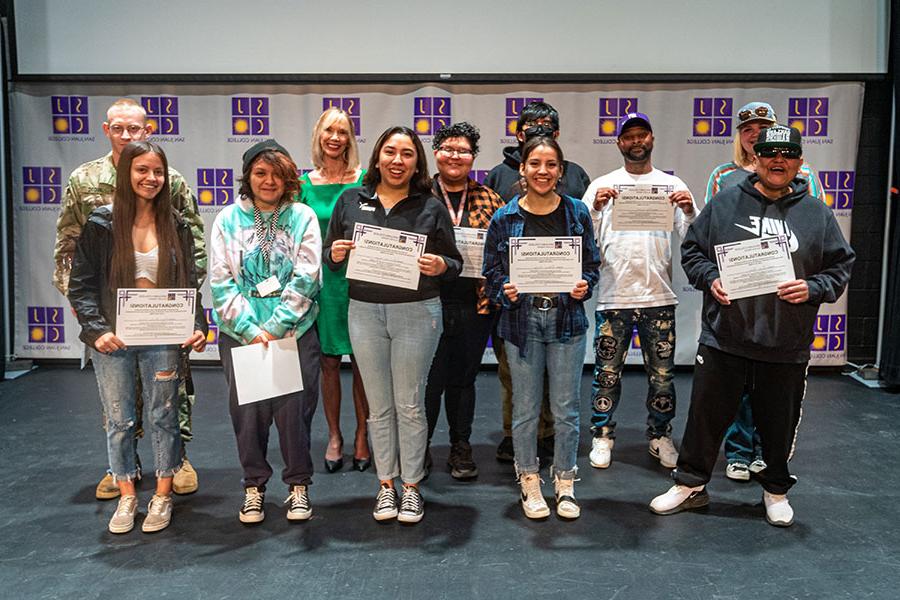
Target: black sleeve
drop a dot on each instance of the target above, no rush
(85, 285)
(837, 259)
(700, 269)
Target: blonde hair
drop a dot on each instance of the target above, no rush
(740, 155)
(351, 152)
(125, 104)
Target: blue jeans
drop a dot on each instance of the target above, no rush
(656, 328)
(394, 345)
(742, 444)
(563, 362)
(159, 372)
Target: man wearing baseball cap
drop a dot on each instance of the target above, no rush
(757, 345)
(635, 289)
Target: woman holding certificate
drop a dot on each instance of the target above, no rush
(144, 243)
(336, 160)
(265, 257)
(397, 241)
(543, 329)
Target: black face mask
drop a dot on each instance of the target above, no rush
(540, 130)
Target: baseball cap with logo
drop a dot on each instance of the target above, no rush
(633, 119)
(779, 137)
(756, 111)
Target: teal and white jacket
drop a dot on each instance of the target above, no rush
(237, 267)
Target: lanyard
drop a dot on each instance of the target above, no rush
(455, 216)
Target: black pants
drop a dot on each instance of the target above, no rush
(455, 367)
(776, 393)
(292, 414)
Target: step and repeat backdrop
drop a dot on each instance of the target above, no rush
(205, 129)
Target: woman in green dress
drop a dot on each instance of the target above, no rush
(336, 160)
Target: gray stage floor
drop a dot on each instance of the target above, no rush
(474, 541)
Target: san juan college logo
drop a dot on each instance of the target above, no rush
(69, 115)
(838, 186)
(610, 110)
(712, 117)
(215, 187)
(162, 114)
(430, 113)
(42, 185)
(830, 333)
(250, 115)
(514, 108)
(45, 325)
(809, 116)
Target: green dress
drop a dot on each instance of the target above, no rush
(333, 299)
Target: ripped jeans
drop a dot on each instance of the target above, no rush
(394, 345)
(656, 331)
(116, 374)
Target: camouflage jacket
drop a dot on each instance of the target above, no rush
(93, 184)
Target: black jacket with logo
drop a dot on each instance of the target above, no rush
(764, 327)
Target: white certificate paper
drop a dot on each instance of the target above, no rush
(643, 208)
(545, 264)
(386, 256)
(261, 373)
(150, 317)
(470, 243)
(754, 267)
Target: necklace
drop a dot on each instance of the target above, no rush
(455, 216)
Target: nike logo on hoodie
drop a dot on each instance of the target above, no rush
(769, 226)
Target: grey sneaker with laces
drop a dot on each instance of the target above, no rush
(122, 520)
(159, 514)
(385, 504)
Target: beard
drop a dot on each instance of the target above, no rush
(638, 153)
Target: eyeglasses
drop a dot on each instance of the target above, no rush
(118, 130)
(785, 152)
(759, 111)
(460, 152)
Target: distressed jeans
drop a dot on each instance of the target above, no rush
(563, 362)
(159, 371)
(656, 330)
(394, 345)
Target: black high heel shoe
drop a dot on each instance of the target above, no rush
(333, 466)
(361, 464)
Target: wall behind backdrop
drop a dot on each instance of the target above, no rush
(205, 129)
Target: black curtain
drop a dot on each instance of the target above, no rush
(889, 370)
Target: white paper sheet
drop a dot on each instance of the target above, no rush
(261, 373)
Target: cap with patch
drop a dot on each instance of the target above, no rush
(632, 119)
(753, 112)
(260, 147)
(779, 136)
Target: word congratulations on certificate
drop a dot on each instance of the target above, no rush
(545, 264)
(151, 317)
(642, 207)
(386, 256)
(754, 267)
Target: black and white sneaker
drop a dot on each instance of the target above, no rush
(412, 506)
(298, 504)
(385, 503)
(252, 510)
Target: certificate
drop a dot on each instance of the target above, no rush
(470, 243)
(545, 264)
(754, 267)
(386, 256)
(643, 208)
(261, 373)
(150, 317)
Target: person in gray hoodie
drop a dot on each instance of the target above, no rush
(762, 341)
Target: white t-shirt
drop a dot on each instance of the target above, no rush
(636, 266)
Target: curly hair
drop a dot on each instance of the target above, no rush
(457, 130)
(284, 168)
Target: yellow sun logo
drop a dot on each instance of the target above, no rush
(60, 125)
(608, 127)
(819, 342)
(37, 334)
(702, 127)
(241, 126)
(32, 195)
(798, 125)
(206, 197)
(422, 126)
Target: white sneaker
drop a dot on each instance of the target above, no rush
(601, 452)
(757, 465)
(298, 504)
(664, 450)
(679, 498)
(533, 502)
(122, 520)
(412, 506)
(778, 510)
(253, 511)
(737, 471)
(566, 505)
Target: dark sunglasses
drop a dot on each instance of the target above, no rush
(785, 152)
(759, 111)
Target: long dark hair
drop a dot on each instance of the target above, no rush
(420, 182)
(171, 271)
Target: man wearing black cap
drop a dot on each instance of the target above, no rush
(758, 343)
(635, 289)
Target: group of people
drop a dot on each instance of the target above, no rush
(278, 266)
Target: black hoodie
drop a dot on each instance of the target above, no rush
(504, 178)
(764, 327)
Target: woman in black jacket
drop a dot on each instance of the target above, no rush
(143, 243)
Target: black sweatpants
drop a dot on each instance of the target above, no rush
(776, 393)
(291, 413)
